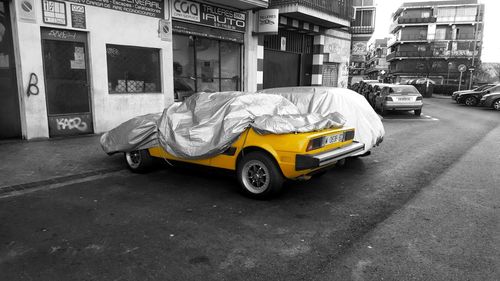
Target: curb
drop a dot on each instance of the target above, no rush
(57, 180)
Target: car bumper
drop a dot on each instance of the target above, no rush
(403, 106)
(312, 161)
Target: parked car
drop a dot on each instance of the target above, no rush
(468, 97)
(491, 98)
(377, 88)
(263, 162)
(399, 97)
(264, 138)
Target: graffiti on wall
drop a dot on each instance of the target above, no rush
(71, 124)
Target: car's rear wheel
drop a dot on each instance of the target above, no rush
(496, 104)
(418, 112)
(259, 175)
(470, 101)
(139, 161)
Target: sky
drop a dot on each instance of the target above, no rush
(491, 36)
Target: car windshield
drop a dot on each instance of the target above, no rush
(403, 89)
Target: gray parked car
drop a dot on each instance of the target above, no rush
(491, 98)
(399, 97)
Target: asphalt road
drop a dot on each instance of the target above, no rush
(424, 206)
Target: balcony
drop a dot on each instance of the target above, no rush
(326, 13)
(362, 29)
(396, 24)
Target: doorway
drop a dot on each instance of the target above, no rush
(281, 69)
(65, 63)
(10, 116)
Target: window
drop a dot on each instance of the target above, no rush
(363, 18)
(425, 14)
(205, 65)
(133, 69)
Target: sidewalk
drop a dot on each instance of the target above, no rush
(27, 164)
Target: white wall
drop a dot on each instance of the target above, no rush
(104, 26)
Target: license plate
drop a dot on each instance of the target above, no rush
(333, 139)
(404, 99)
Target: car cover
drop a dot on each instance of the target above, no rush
(353, 106)
(206, 124)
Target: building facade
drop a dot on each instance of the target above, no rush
(71, 67)
(436, 39)
(362, 28)
(81, 67)
(311, 46)
(377, 67)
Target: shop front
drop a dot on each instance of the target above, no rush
(207, 48)
(86, 66)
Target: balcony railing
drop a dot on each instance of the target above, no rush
(413, 37)
(416, 20)
(432, 54)
(326, 6)
(362, 29)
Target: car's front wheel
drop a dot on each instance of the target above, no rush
(496, 104)
(259, 175)
(470, 101)
(139, 161)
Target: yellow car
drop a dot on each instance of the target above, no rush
(263, 162)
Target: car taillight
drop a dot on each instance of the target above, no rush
(388, 98)
(419, 98)
(348, 135)
(315, 144)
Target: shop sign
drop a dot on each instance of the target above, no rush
(54, 12)
(205, 31)
(359, 48)
(78, 16)
(27, 10)
(150, 8)
(208, 15)
(267, 21)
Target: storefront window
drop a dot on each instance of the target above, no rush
(205, 65)
(133, 69)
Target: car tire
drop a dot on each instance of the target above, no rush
(496, 104)
(259, 175)
(139, 161)
(418, 112)
(470, 101)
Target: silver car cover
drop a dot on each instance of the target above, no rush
(206, 124)
(324, 100)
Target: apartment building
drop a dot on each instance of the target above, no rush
(377, 67)
(436, 39)
(362, 28)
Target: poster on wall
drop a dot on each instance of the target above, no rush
(54, 12)
(78, 19)
(149, 8)
(208, 15)
(27, 10)
(164, 30)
